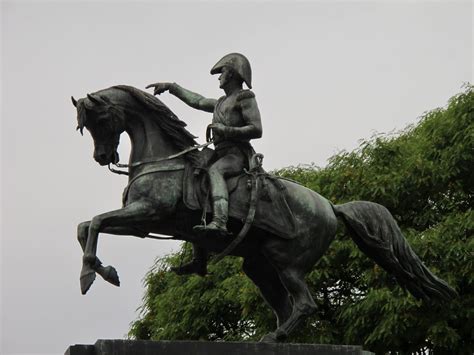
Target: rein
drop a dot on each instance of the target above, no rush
(253, 182)
(153, 160)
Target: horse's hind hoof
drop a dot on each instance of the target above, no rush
(273, 337)
(269, 338)
(87, 279)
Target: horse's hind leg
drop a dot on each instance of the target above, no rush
(265, 277)
(304, 305)
(292, 259)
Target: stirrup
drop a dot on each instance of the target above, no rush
(212, 228)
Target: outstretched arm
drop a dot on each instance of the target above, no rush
(190, 98)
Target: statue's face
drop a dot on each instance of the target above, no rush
(225, 77)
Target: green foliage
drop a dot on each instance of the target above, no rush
(425, 177)
(218, 306)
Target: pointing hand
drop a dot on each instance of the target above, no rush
(159, 87)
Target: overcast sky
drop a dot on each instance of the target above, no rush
(325, 74)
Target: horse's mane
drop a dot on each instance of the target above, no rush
(172, 126)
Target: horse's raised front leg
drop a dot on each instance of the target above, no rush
(108, 273)
(110, 222)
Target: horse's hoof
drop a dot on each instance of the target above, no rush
(274, 337)
(269, 338)
(87, 279)
(110, 275)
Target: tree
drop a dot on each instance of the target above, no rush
(425, 176)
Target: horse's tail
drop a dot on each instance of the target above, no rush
(376, 233)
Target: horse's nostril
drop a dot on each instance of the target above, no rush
(100, 157)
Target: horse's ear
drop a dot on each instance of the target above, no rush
(74, 102)
(96, 99)
(81, 117)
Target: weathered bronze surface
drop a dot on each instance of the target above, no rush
(154, 200)
(236, 120)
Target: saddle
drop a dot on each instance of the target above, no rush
(272, 212)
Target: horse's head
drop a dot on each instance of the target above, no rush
(104, 121)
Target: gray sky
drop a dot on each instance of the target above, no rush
(325, 75)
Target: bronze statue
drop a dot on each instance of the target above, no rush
(236, 120)
(277, 226)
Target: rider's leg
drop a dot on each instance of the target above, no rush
(220, 198)
(227, 166)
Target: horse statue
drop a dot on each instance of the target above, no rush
(153, 203)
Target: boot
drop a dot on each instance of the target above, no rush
(219, 221)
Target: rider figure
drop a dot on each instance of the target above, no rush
(236, 120)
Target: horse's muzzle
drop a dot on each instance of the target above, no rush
(105, 156)
(102, 159)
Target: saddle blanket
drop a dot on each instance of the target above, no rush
(272, 214)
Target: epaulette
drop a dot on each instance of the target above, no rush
(245, 94)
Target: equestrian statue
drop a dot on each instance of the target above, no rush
(224, 202)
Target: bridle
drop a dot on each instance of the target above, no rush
(154, 160)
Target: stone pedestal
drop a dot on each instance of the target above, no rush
(139, 347)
